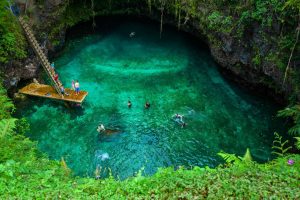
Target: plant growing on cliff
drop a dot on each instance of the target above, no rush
(12, 41)
(6, 105)
(293, 113)
(162, 8)
(292, 51)
(149, 6)
(220, 23)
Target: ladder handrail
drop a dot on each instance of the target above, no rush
(37, 49)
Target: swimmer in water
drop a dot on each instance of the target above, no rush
(183, 124)
(129, 104)
(132, 34)
(147, 105)
(178, 117)
(101, 128)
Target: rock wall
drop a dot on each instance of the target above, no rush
(235, 57)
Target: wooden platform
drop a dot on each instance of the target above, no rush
(47, 91)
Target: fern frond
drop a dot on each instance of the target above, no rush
(229, 158)
(278, 145)
(285, 150)
(284, 143)
(6, 105)
(276, 153)
(7, 126)
(297, 142)
(276, 142)
(289, 112)
(295, 130)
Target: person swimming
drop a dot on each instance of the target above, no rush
(179, 119)
(147, 105)
(100, 128)
(183, 124)
(132, 34)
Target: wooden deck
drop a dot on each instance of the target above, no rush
(47, 91)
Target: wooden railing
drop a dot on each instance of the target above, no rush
(38, 50)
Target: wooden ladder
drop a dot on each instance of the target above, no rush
(38, 51)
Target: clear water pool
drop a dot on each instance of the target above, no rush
(175, 74)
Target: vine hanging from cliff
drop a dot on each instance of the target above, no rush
(162, 3)
(150, 6)
(292, 52)
(93, 13)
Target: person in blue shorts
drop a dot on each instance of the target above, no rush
(76, 87)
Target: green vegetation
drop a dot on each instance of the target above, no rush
(25, 173)
(279, 146)
(12, 41)
(294, 113)
(267, 29)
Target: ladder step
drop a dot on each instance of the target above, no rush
(40, 54)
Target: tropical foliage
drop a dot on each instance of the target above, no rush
(293, 112)
(25, 173)
(12, 41)
(280, 147)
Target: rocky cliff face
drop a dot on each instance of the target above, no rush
(42, 18)
(236, 55)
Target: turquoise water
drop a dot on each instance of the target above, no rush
(176, 75)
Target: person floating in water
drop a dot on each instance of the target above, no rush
(183, 124)
(147, 105)
(129, 104)
(179, 119)
(132, 34)
(100, 128)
